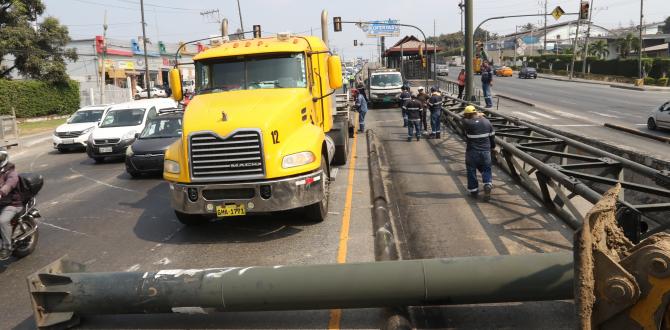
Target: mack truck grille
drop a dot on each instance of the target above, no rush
(238, 156)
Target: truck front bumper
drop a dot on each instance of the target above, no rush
(257, 197)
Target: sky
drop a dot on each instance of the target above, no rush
(179, 20)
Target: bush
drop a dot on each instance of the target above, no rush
(649, 81)
(660, 67)
(32, 98)
(662, 82)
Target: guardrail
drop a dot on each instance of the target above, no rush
(558, 170)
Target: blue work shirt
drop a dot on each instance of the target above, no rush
(361, 103)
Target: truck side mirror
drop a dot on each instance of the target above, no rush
(175, 85)
(335, 72)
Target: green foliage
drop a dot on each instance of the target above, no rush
(662, 82)
(627, 45)
(38, 54)
(649, 81)
(32, 98)
(660, 68)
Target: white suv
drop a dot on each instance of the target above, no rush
(659, 118)
(119, 127)
(74, 133)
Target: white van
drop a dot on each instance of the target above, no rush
(74, 133)
(118, 129)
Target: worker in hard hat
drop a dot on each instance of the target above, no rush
(480, 137)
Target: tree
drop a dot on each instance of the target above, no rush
(666, 27)
(528, 27)
(33, 50)
(599, 49)
(627, 45)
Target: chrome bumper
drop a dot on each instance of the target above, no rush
(286, 194)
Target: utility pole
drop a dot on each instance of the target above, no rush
(516, 36)
(434, 52)
(574, 50)
(639, 53)
(460, 5)
(586, 41)
(147, 79)
(102, 64)
(239, 11)
(545, 26)
(469, 53)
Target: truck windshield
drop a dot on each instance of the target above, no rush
(251, 72)
(386, 80)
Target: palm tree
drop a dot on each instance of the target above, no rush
(627, 45)
(599, 49)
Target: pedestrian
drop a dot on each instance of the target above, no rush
(413, 109)
(10, 203)
(423, 98)
(480, 138)
(345, 84)
(487, 82)
(461, 84)
(361, 106)
(435, 106)
(405, 97)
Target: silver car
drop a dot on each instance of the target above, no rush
(660, 118)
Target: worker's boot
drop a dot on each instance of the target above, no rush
(437, 135)
(487, 191)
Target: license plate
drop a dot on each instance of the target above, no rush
(67, 141)
(230, 210)
(105, 150)
(387, 99)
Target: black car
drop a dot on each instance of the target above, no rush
(527, 72)
(145, 155)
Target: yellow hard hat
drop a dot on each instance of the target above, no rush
(470, 109)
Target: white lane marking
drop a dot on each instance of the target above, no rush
(570, 115)
(164, 261)
(133, 268)
(640, 124)
(523, 114)
(188, 310)
(542, 115)
(38, 141)
(604, 114)
(64, 229)
(575, 125)
(100, 182)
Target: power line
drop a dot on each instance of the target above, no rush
(158, 6)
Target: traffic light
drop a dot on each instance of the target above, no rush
(355, 42)
(257, 31)
(584, 10)
(337, 23)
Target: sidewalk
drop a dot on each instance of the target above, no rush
(439, 219)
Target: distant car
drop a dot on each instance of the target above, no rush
(146, 154)
(504, 71)
(120, 125)
(155, 92)
(659, 118)
(74, 133)
(442, 70)
(527, 72)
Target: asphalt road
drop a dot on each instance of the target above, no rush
(98, 215)
(582, 109)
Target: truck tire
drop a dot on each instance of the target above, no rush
(317, 212)
(342, 151)
(190, 219)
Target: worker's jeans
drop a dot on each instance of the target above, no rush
(424, 120)
(435, 121)
(414, 128)
(361, 120)
(6, 216)
(486, 88)
(460, 91)
(404, 118)
(478, 161)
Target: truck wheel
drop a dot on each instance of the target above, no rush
(317, 212)
(190, 219)
(342, 151)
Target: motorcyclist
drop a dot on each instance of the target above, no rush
(10, 202)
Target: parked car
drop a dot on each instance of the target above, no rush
(659, 118)
(119, 127)
(155, 92)
(146, 154)
(503, 71)
(74, 133)
(442, 70)
(528, 72)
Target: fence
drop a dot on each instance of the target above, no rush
(113, 94)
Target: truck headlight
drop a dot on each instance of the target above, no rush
(298, 159)
(171, 166)
(129, 151)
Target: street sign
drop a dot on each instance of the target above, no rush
(383, 29)
(557, 12)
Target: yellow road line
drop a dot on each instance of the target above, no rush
(336, 314)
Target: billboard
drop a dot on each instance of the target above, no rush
(382, 28)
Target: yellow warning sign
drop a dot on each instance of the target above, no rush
(557, 12)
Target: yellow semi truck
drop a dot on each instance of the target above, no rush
(261, 131)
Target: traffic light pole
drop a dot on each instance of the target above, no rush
(469, 53)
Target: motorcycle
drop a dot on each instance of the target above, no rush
(24, 225)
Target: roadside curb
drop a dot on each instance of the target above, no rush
(515, 99)
(636, 132)
(576, 81)
(643, 89)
